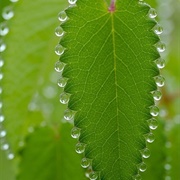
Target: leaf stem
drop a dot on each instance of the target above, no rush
(112, 6)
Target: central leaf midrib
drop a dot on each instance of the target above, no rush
(115, 75)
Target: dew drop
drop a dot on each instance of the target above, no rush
(62, 16)
(13, 1)
(5, 146)
(160, 63)
(59, 50)
(62, 82)
(137, 177)
(80, 148)
(1, 105)
(59, 66)
(85, 162)
(158, 29)
(21, 143)
(31, 129)
(150, 137)
(167, 167)
(154, 111)
(59, 31)
(1, 63)
(1, 118)
(145, 153)
(3, 29)
(167, 178)
(1, 76)
(75, 132)
(161, 47)
(157, 95)
(153, 123)
(69, 115)
(7, 13)
(160, 81)
(72, 2)
(93, 175)
(3, 133)
(10, 156)
(64, 98)
(2, 47)
(1, 90)
(152, 13)
(168, 144)
(142, 167)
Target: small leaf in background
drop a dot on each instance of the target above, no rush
(48, 155)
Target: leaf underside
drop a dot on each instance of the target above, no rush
(109, 60)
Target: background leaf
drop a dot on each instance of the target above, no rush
(50, 157)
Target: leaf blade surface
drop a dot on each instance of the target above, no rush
(109, 57)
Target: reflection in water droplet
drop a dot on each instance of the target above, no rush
(75, 132)
(153, 123)
(161, 47)
(152, 13)
(93, 175)
(80, 148)
(7, 13)
(167, 178)
(64, 98)
(145, 153)
(154, 110)
(49, 92)
(160, 81)
(3, 29)
(158, 29)
(85, 162)
(10, 156)
(2, 47)
(1, 105)
(137, 177)
(2, 133)
(5, 146)
(59, 50)
(160, 63)
(167, 167)
(62, 16)
(59, 66)
(62, 82)
(157, 95)
(1, 63)
(1, 76)
(150, 137)
(1, 118)
(72, 2)
(14, 0)
(69, 115)
(142, 167)
(31, 129)
(59, 31)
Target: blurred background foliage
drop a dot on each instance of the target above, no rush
(30, 105)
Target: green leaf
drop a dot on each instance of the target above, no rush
(7, 171)
(29, 91)
(109, 60)
(48, 155)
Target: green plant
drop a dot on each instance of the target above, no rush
(108, 57)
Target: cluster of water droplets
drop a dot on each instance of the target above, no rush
(160, 81)
(65, 97)
(7, 14)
